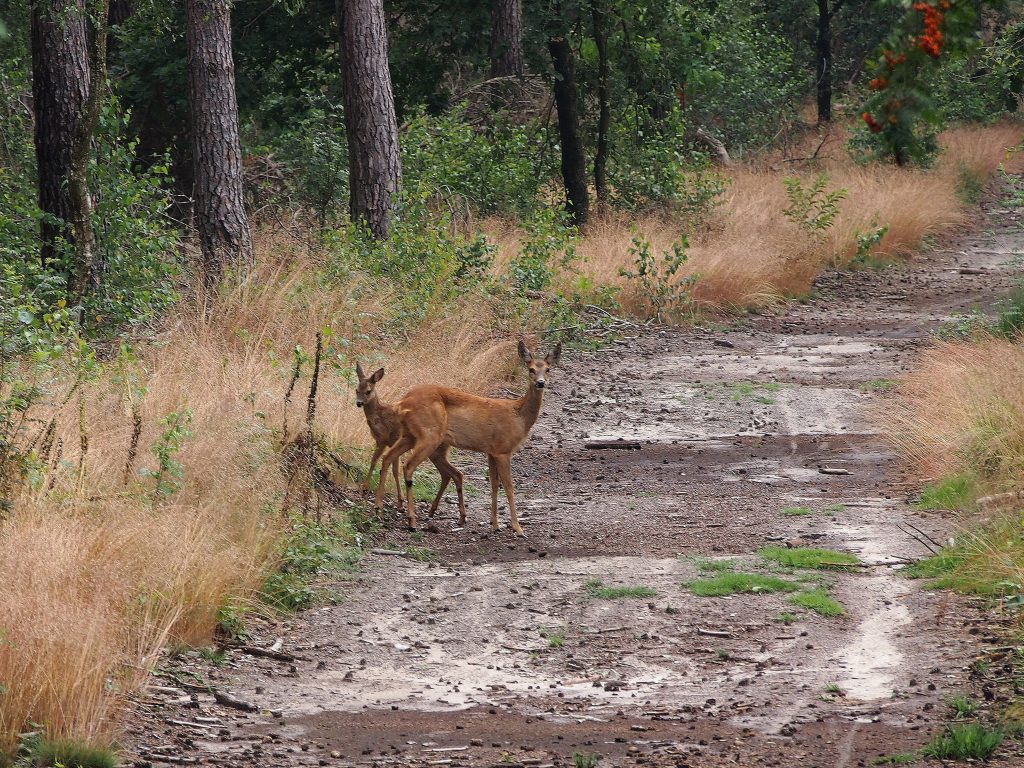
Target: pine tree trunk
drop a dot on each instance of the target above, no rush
(604, 119)
(60, 86)
(823, 62)
(574, 161)
(220, 217)
(88, 269)
(507, 38)
(375, 162)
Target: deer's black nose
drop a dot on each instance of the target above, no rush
(540, 385)
(359, 403)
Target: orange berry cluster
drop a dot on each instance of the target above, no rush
(932, 39)
(873, 124)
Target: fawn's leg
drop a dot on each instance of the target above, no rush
(398, 483)
(390, 459)
(373, 460)
(417, 454)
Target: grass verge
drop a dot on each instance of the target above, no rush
(819, 601)
(803, 557)
(596, 588)
(739, 583)
(972, 741)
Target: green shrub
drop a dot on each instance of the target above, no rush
(658, 285)
(649, 167)
(819, 601)
(496, 169)
(808, 557)
(812, 208)
(964, 742)
(66, 753)
(733, 583)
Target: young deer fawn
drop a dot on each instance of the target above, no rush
(386, 429)
(435, 418)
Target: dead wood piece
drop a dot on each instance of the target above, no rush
(601, 445)
(834, 471)
(227, 700)
(716, 146)
(395, 552)
(269, 653)
(713, 632)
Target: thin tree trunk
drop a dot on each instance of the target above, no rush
(823, 61)
(60, 86)
(224, 235)
(507, 38)
(574, 161)
(87, 267)
(375, 162)
(604, 118)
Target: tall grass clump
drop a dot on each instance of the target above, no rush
(152, 490)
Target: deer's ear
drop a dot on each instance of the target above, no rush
(359, 371)
(377, 375)
(524, 353)
(554, 355)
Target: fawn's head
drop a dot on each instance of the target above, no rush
(538, 368)
(364, 390)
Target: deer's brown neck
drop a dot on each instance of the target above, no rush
(529, 405)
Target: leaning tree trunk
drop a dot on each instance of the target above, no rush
(60, 87)
(604, 118)
(574, 161)
(223, 227)
(507, 38)
(823, 62)
(375, 163)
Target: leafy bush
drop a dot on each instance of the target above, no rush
(550, 248)
(746, 90)
(497, 169)
(648, 167)
(812, 208)
(34, 342)
(658, 284)
(964, 742)
(986, 85)
(424, 259)
(315, 151)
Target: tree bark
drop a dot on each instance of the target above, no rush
(375, 162)
(87, 267)
(574, 161)
(220, 217)
(604, 117)
(507, 38)
(823, 60)
(60, 86)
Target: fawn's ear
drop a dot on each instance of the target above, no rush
(554, 355)
(377, 375)
(524, 353)
(359, 371)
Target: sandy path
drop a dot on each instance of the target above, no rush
(452, 663)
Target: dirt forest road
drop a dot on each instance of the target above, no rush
(498, 653)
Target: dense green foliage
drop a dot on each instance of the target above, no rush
(738, 71)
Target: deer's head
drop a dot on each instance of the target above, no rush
(364, 390)
(538, 368)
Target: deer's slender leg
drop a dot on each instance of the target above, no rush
(398, 484)
(390, 459)
(373, 460)
(448, 473)
(492, 474)
(505, 469)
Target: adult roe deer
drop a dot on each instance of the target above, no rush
(386, 429)
(435, 418)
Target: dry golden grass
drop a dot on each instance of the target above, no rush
(962, 410)
(749, 254)
(99, 573)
